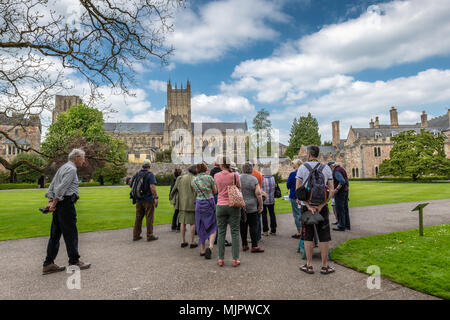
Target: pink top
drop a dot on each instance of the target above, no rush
(223, 179)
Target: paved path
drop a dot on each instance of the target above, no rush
(123, 269)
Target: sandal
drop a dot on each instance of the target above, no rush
(220, 263)
(307, 269)
(327, 270)
(236, 263)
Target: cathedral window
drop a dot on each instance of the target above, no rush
(153, 142)
(376, 170)
(357, 172)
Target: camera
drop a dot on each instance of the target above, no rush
(44, 210)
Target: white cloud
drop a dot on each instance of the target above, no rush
(221, 105)
(221, 26)
(157, 85)
(397, 32)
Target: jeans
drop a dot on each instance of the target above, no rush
(232, 216)
(341, 200)
(252, 222)
(296, 213)
(273, 219)
(64, 222)
(258, 227)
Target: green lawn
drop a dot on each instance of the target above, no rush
(110, 207)
(417, 262)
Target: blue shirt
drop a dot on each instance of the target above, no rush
(290, 184)
(339, 177)
(149, 179)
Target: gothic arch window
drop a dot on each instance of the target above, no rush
(353, 172)
(376, 170)
(375, 151)
(153, 142)
(379, 151)
(357, 172)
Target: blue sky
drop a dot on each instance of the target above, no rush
(341, 60)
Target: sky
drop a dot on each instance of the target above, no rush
(346, 60)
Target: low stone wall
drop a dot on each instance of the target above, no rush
(167, 168)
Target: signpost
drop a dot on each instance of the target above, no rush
(420, 209)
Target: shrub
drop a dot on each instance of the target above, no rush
(24, 173)
(164, 179)
(4, 177)
(111, 173)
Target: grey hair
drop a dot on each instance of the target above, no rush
(247, 168)
(76, 153)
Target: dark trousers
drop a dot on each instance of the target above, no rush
(144, 209)
(175, 223)
(252, 222)
(341, 201)
(64, 222)
(273, 219)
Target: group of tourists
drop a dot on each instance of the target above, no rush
(202, 201)
(209, 202)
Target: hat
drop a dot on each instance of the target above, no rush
(331, 163)
(146, 164)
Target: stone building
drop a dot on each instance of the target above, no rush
(63, 103)
(26, 135)
(145, 139)
(364, 149)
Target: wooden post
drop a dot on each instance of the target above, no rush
(420, 209)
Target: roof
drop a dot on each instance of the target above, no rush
(158, 127)
(383, 132)
(19, 142)
(442, 122)
(135, 127)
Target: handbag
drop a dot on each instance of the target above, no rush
(308, 218)
(277, 193)
(235, 195)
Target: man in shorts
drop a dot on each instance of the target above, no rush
(323, 228)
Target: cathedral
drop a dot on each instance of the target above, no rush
(144, 139)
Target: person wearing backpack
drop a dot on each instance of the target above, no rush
(340, 180)
(311, 181)
(144, 195)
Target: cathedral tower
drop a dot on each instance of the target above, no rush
(178, 111)
(63, 103)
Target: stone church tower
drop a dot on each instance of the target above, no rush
(63, 103)
(178, 112)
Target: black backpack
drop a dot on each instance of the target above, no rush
(315, 192)
(138, 188)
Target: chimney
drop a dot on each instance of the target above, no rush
(394, 118)
(371, 124)
(377, 122)
(423, 120)
(336, 133)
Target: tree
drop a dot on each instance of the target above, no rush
(304, 131)
(111, 173)
(262, 123)
(327, 143)
(164, 156)
(82, 127)
(100, 43)
(416, 155)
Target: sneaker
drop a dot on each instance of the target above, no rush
(273, 233)
(266, 234)
(244, 248)
(138, 238)
(257, 249)
(82, 265)
(52, 268)
(208, 253)
(338, 229)
(152, 238)
(184, 244)
(193, 245)
(296, 236)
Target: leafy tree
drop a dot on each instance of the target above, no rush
(261, 122)
(304, 131)
(24, 172)
(100, 42)
(416, 155)
(82, 127)
(327, 143)
(111, 173)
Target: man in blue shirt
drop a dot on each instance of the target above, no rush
(145, 207)
(340, 180)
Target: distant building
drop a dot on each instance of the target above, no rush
(26, 135)
(365, 148)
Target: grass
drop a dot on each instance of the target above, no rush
(420, 263)
(110, 208)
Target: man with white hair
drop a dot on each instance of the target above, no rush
(62, 195)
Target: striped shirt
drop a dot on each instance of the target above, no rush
(65, 182)
(268, 187)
